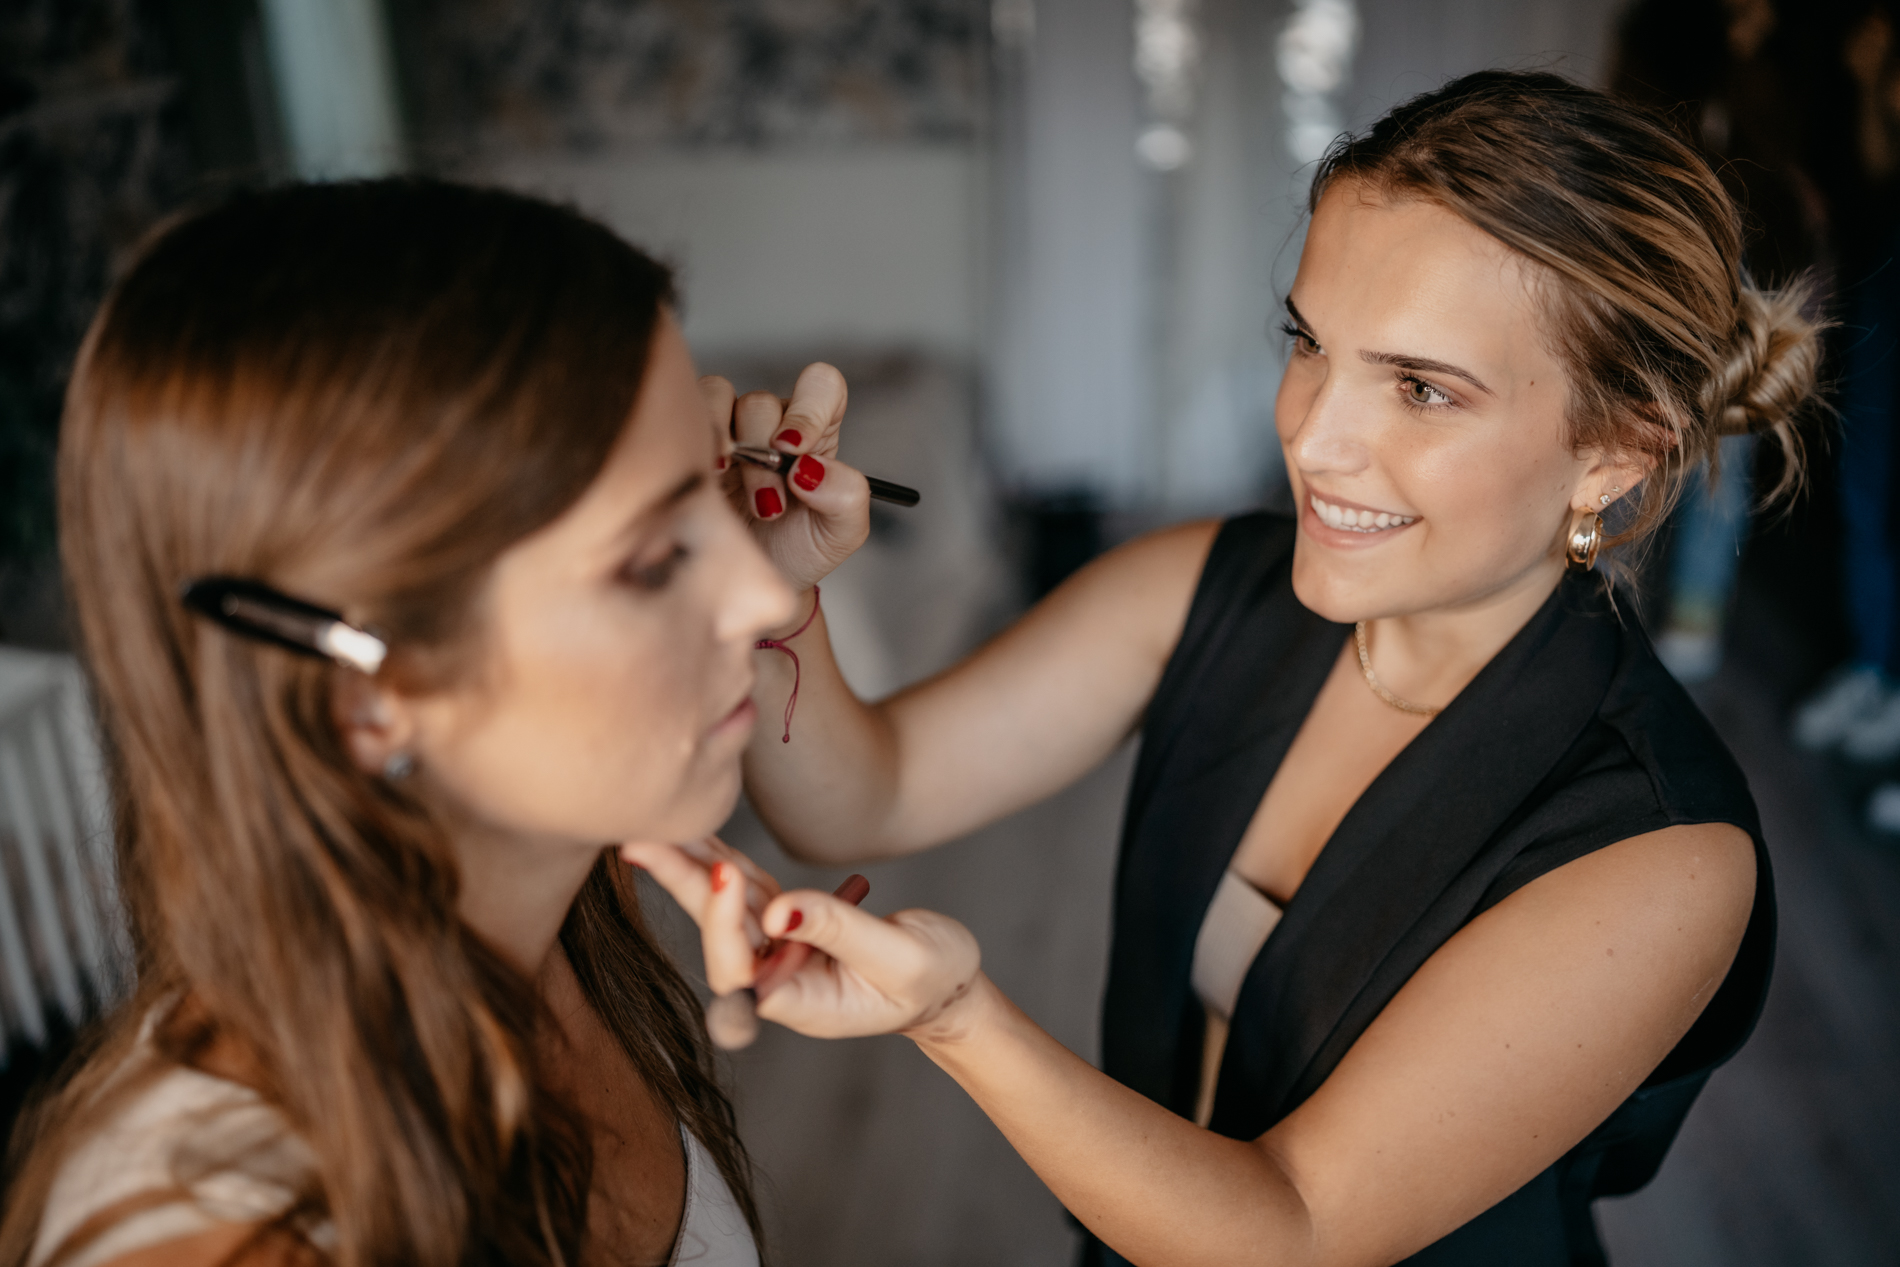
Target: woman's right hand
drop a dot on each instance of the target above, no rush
(811, 519)
(904, 973)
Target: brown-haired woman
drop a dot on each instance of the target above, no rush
(394, 1005)
(1438, 900)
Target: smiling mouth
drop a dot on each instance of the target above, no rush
(1347, 519)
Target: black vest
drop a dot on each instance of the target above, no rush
(1572, 738)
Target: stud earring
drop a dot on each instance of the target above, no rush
(398, 767)
(1607, 498)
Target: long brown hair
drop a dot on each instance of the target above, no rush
(360, 394)
(1668, 343)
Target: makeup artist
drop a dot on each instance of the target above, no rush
(1438, 900)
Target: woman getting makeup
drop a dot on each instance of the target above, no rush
(406, 581)
(1438, 900)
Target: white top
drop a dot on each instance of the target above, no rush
(1237, 924)
(251, 1167)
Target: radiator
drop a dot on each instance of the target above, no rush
(63, 947)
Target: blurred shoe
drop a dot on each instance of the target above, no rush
(1830, 713)
(1883, 808)
(1690, 655)
(1875, 736)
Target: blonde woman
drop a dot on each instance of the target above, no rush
(1438, 900)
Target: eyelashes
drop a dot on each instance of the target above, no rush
(1414, 392)
(1409, 388)
(656, 576)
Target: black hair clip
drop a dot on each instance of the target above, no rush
(255, 610)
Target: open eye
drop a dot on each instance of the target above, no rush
(655, 575)
(1304, 344)
(1421, 393)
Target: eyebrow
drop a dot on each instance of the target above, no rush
(674, 496)
(1400, 360)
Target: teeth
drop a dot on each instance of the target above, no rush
(1358, 520)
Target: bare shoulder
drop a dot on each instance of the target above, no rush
(1174, 554)
(1147, 583)
(1701, 875)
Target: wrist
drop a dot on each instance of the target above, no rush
(960, 1020)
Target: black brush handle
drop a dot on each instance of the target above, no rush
(895, 494)
(780, 464)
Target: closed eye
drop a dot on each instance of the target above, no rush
(657, 575)
(1304, 344)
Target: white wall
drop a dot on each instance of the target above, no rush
(785, 252)
(1410, 46)
(1071, 353)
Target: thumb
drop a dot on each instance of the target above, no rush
(816, 408)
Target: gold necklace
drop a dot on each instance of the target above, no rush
(1378, 687)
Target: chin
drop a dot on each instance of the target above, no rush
(1324, 592)
(704, 810)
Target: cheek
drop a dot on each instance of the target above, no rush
(1505, 481)
(593, 737)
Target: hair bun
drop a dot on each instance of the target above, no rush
(1772, 362)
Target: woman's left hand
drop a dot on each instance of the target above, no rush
(899, 974)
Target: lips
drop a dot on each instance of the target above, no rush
(740, 714)
(1357, 518)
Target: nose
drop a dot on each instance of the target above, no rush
(1330, 438)
(758, 598)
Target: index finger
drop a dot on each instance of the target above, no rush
(874, 947)
(790, 956)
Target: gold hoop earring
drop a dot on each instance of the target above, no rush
(1586, 535)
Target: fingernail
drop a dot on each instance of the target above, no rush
(722, 463)
(809, 473)
(719, 877)
(798, 917)
(789, 438)
(768, 503)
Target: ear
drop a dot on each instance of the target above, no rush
(1611, 478)
(374, 722)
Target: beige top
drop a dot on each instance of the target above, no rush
(248, 1167)
(1238, 922)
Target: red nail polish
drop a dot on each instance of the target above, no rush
(723, 463)
(809, 473)
(720, 879)
(768, 503)
(790, 439)
(798, 917)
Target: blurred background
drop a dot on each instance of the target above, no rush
(1044, 240)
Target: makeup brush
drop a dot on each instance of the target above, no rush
(732, 1020)
(781, 463)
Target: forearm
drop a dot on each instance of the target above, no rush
(828, 793)
(1159, 1190)
(1025, 715)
